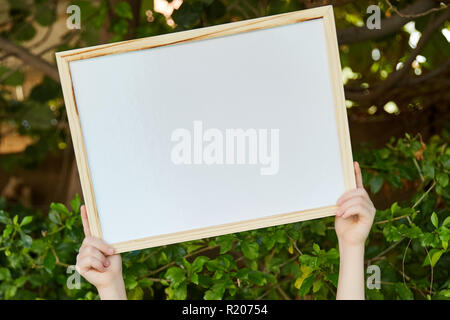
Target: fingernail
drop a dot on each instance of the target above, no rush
(111, 250)
(107, 263)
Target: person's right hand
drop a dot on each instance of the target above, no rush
(98, 264)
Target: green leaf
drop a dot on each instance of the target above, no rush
(375, 184)
(428, 170)
(250, 249)
(4, 217)
(436, 256)
(434, 220)
(432, 257)
(60, 208)
(8, 230)
(445, 293)
(316, 248)
(177, 293)
(317, 286)
(55, 217)
(135, 294)
(394, 208)
(269, 241)
(404, 293)
(446, 221)
(26, 220)
(131, 282)
(5, 274)
(257, 277)
(216, 292)
(38, 116)
(26, 240)
(306, 286)
(384, 153)
(392, 233)
(310, 261)
(123, 10)
(188, 14)
(198, 263)
(442, 179)
(75, 204)
(428, 239)
(225, 242)
(120, 28)
(332, 254)
(23, 31)
(281, 236)
(445, 160)
(411, 232)
(13, 79)
(45, 91)
(10, 292)
(176, 276)
(49, 261)
(318, 227)
(444, 244)
(194, 278)
(45, 16)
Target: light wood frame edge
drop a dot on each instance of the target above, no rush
(219, 230)
(64, 58)
(337, 85)
(79, 147)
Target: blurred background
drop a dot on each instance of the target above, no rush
(395, 58)
(397, 77)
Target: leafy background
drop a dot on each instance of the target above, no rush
(397, 91)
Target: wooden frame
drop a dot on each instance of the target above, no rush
(64, 58)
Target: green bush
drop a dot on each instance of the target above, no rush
(409, 242)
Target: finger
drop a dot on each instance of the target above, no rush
(358, 175)
(87, 263)
(84, 219)
(358, 209)
(351, 202)
(350, 194)
(94, 252)
(99, 244)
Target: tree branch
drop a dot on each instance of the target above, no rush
(345, 36)
(414, 16)
(388, 25)
(29, 58)
(433, 73)
(395, 77)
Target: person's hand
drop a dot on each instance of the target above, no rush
(355, 215)
(98, 264)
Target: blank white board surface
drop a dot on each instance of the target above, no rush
(130, 103)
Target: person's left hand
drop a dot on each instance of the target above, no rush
(355, 215)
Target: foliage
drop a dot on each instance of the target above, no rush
(41, 115)
(409, 242)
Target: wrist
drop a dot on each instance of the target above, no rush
(351, 249)
(113, 291)
(351, 245)
(351, 271)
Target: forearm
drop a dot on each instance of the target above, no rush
(115, 291)
(351, 272)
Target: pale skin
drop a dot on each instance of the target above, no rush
(98, 264)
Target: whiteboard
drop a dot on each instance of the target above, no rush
(275, 82)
